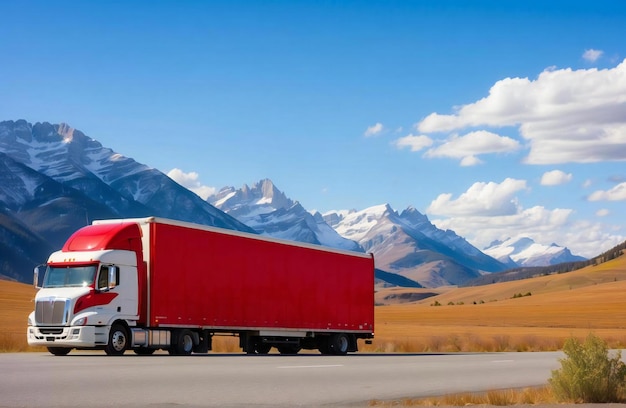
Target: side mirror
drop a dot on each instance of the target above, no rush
(37, 275)
(112, 271)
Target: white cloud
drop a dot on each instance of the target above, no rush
(468, 146)
(481, 199)
(415, 143)
(536, 222)
(566, 115)
(555, 178)
(490, 211)
(592, 55)
(191, 182)
(617, 193)
(603, 212)
(374, 130)
(469, 161)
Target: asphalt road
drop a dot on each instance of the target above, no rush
(86, 379)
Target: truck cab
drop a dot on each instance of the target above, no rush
(83, 295)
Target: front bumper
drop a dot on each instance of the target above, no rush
(68, 336)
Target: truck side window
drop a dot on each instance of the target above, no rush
(103, 278)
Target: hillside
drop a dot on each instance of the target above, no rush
(611, 271)
(560, 306)
(530, 272)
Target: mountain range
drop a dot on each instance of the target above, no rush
(54, 179)
(526, 252)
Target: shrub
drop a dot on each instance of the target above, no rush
(588, 374)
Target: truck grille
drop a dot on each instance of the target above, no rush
(52, 311)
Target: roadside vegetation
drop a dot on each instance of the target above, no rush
(589, 373)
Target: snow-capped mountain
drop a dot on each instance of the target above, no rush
(70, 157)
(526, 252)
(268, 211)
(55, 179)
(408, 244)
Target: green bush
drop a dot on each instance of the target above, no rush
(588, 374)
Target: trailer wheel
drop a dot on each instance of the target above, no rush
(324, 345)
(289, 349)
(144, 351)
(263, 348)
(184, 343)
(118, 340)
(59, 351)
(338, 344)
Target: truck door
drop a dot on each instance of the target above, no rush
(122, 285)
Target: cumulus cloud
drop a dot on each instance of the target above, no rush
(191, 182)
(543, 225)
(468, 146)
(490, 211)
(592, 55)
(603, 212)
(617, 193)
(481, 199)
(415, 143)
(565, 115)
(534, 222)
(374, 130)
(555, 178)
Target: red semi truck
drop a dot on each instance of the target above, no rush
(150, 283)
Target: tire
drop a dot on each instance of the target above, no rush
(118, 340)
(59, 351)
(184, 343)
(289, 349)
(262, 348)
(324, 347)
(144, 351)
(338, 344)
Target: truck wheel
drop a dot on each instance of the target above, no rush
(338, 344)
(59, 351)
(184, 343)
(118, 340)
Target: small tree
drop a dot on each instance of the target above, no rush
(588, 374)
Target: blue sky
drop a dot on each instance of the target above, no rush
(495, 118)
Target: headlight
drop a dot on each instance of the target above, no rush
(30, 321)
(80, 322)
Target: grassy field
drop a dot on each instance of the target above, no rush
(492, 318)
(486, 318)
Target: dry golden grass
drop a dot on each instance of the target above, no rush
(561, 306)
(16, 303)
(487, 318)
(527, 396)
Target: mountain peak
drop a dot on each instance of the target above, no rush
(524, 251)
(268, 210)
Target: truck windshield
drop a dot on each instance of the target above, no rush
(75, 276)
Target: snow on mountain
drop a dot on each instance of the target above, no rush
(268, 211)
(526, 252)
(409, 245)
(130, 188)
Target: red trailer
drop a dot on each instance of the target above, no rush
(153, 283)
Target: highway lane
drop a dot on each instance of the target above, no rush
(87, 379)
